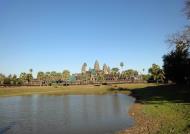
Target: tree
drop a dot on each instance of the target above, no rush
(176, 65)
(59, 76)
(47, 77)
(41, 77)
(180, 40)
(115, 72)
(97, 66)
(31, 70)
(84, 68)
(130, 74)
(100, 77)
(29, 77)
(66, 75)
(143, 70)
(7, 81)
(105, 69)
(121, 65)
(23, 77)
(14, 79)
(176, 62)
(53, 76)
(2, 78)
(157, 73)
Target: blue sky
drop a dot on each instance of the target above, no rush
(62, 34)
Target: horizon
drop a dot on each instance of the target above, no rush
(58, 35)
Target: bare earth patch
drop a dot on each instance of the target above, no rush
(143, 124)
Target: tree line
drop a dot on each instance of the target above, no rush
(100, 75)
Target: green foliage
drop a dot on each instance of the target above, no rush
(11, 80)
(130, 73)
(66, 74)
(23, 76)
(2, 77)
(168, 105)
(31, 70)
(146, 77)
(41, 76)
(115, 70)
(53, 75)
(121, 64)
(26, 76)
(177, 62)
(7, 81)
(157, 73)
(29, 77)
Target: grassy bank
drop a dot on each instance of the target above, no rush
(18, 91)
(72, 90)
(159, 109)
(164, 109)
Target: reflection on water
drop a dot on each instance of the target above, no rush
(72, 114)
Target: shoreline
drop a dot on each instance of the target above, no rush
(142, 123)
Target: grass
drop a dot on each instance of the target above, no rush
(169, 104)
(69, 90)
(174, 118)
(18, 91)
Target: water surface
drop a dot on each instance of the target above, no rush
(71, 114)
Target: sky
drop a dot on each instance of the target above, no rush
(48, 35)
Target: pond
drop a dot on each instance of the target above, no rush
(69, 114)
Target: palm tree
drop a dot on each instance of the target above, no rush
(41, 77)
(115, 72)
(143, 70)
(47, 77)
(157, 73)
(53, 76)
(66, 75)
(31, 70)
(23, 77)
(121, 65)
(2, 77)
(130, 74)
(29, 77)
